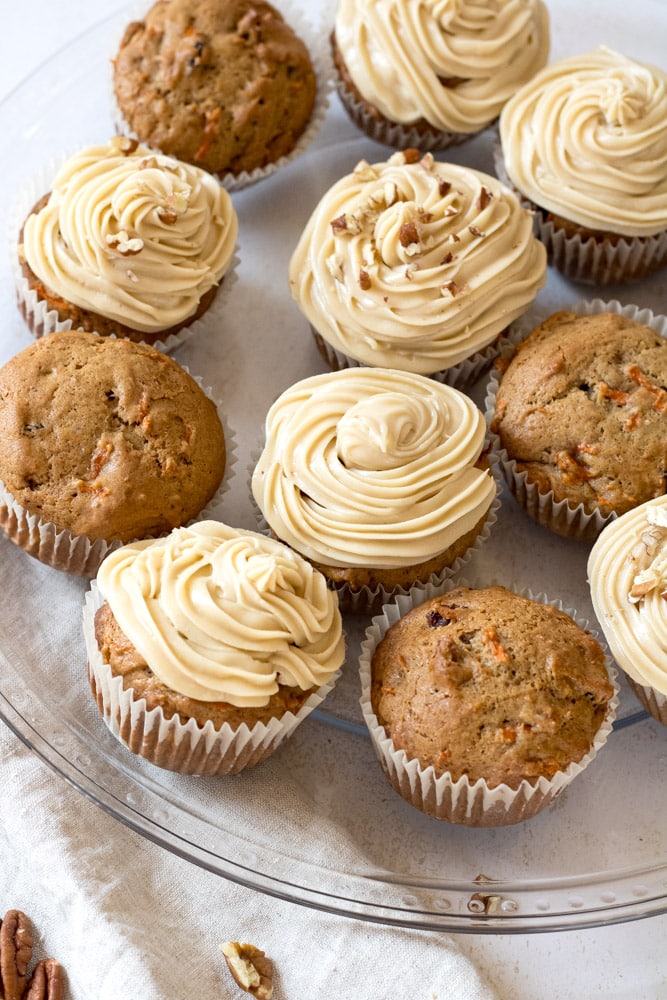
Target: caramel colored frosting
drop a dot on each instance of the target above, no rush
(415, 264)
(221, 614)
(586, 139)
(132, 235)
(627, 572)
(453, 63)
(372, 467)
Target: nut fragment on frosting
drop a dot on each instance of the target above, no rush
(222, 614)
(586, 139)
(415, 264)
(372, 467)
(131, 234)
(627, 572)
(453, 64)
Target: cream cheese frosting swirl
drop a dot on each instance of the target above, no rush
(372, 467)
(586, 139)
(453, 63)
(222, 614)
(415, 264)
(132, 235)
(627, 572)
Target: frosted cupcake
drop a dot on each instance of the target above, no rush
(483, 705)
(416, 265)
(428, 74)
(127, 242)
(207, 648)
(627, 572)
(378, 477)
(585, 142)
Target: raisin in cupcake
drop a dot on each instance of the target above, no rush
(211, 665)
(483, 704)
(230, 86)
(103, 441)
(585, 142)
(627, 573)
(579, 412)
(125, 242)
(432, 75)
(378, 477)
(416, 265)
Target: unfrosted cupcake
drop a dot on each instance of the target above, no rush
(378, 477)
(580, 413)
(430, 74)
(102, 441)
(228, 85)
(483, 704)
(416, 265)
(127, 242)
(627, 572)
(585, 141)
(207, 648)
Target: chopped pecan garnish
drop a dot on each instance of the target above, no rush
(485, 197)
(411, 156)
(408, 234)
(250, 967)
(476, 231)
(452, 288)
(124, 144)
(16, 943)
(444, 187)
(126, 245)
(364, 280)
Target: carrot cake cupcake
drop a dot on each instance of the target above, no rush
(208, 647)
(627, 573)
(430, 74)
(102, 441)
(585, 142)
(377, 476)
(483, 704)
(227, 85)
(416, 265)
(127, 242)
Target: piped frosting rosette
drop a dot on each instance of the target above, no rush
(373, 468)
(586, 140)
(452, 65)
(627, 572)
(219, 615)
(134, 236)
(416, 265)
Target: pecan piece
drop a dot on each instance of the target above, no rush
(250, 967)
(15, 953)
(47, 981)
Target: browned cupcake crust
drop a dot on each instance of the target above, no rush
(127, 663)
(107, 438)
(492, 685)
(224, 84)
(582, 409)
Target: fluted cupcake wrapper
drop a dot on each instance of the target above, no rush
(79, 555)
(462, 801)
(654, 701)
(187, 748)
(560, 516)
(41, 320)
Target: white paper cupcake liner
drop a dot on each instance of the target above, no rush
(187, 748)
(605, 261)
(562, 517)
(462, 801)
(320, 58)
(79, 555)
(367, 600)
(654, 701)
(42, 320)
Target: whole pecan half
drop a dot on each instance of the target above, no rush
(15, 953)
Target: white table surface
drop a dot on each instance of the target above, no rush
(624, 961)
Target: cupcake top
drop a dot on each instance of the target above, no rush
(415, 264)
(490, 685)
(582, 409)
(131, 235)
(586, 139)
(452, 64)
(107, 438)
(627, 572)
(224, 84)
(372, 467)
(224, 615)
